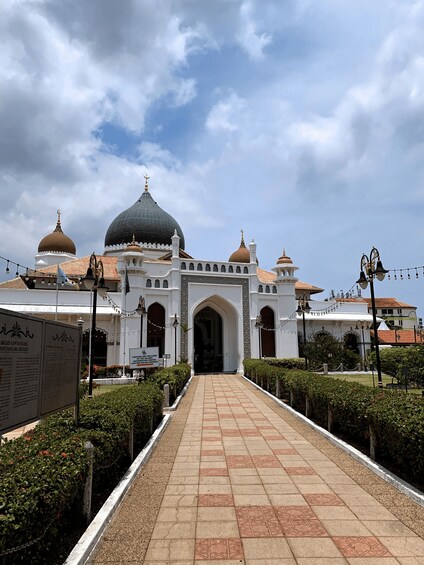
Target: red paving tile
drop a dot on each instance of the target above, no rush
(231, 433)
(225, 416)
(239, 461)
(300, 521)
(265, 461)
(287, 451)
(352, 546)
(213, 472)
(216, 500)
(300, 471)
(250, 433)
(323, 500)
(241, 416)
(211, 452)
(258, 522)
(219, 548)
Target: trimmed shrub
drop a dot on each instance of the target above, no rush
(43, 472)
(175, 376)
(398, 423)
(397, 419)
(395, 359)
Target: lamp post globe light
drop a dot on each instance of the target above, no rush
(302, 308)
(175, 324)
(259, 324)
(141, 310)
(94, 281)
(372, 267)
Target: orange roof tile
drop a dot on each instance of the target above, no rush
(13, 283)
(73, 269)
(389, 303)
(399, 337)
(268, 277)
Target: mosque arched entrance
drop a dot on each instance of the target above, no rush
(208, 353)
(214, 343)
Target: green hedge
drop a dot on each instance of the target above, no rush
(397, 419)
(43, 472)
(394, 359)
(175, 376)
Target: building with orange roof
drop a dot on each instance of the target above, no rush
(211, 313)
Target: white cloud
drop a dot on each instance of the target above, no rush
(250, 38)
(226, 114)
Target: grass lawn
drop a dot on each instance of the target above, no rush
(366, 379)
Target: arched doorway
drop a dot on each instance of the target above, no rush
(208, 353)
(100, 348)
(156, 327)
(267, 332)
(351, 342)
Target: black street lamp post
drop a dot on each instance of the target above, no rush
(175, 323)
(303, 307)
(141, 310)
(259, 324)
(94, 280)
(372, 267)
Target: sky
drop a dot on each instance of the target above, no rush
(299, 121)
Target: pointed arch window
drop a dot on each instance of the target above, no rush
(267, 332)
(148, 283)
(156, 327)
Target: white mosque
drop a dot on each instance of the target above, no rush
(209, 312)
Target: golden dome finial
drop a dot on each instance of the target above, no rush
(242, 236)
(58, 226)
(146, 184)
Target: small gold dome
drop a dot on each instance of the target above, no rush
(57, 241)
(133, 247)
(284, 259)
(242, 254)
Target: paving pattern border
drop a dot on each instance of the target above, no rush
(88, 541)
(407, 505)
(149, 486)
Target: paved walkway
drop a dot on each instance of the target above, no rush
(238, 480)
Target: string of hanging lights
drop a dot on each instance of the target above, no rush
(27, 272)
(407, 273)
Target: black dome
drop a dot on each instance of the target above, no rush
(146, 222)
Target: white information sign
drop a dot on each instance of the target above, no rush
(144, 357)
